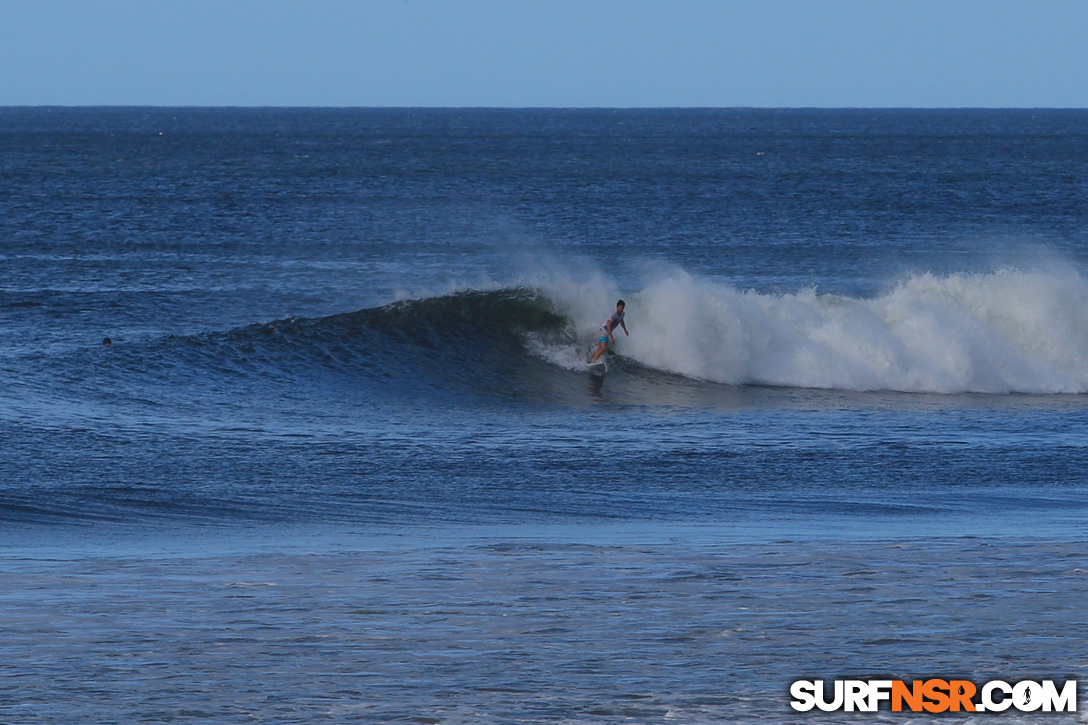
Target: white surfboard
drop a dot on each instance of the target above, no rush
(598, 368)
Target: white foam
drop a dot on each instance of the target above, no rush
(1002, 332)
(571, 357)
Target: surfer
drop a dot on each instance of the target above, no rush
(605, 334)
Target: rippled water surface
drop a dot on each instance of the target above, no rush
(342, 460)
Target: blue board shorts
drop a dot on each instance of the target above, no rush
(603, 339)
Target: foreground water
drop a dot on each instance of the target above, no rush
(342, 461)
(528, 629)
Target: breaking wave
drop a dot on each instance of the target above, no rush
(1002, 332)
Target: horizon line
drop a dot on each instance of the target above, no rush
(49, 106)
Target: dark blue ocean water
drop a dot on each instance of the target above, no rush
(343, 460)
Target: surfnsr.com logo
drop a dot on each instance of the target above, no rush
(935, 695)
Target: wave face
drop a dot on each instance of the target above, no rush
(1003, 332)
(463, 342)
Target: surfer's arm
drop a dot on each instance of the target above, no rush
(624, 326)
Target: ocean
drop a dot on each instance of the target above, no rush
(341, 459)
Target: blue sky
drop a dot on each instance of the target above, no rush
(829, 53)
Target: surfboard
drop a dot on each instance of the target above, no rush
(598, 368)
